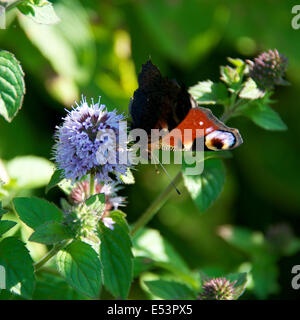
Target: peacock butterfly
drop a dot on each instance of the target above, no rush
(160, 103)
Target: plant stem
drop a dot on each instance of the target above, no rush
(230, 111)
(92, 183)
(13, 5)
(156, 205)
(50, 254)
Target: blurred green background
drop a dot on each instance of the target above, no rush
(97, 50)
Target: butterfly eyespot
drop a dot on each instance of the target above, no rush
(220, 140)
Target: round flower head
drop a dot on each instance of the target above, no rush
(268, 69)
(217, 289)
(88, 141)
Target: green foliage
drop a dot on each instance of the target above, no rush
(50, 287)
(96, 202)
(40, 11)
(116, 256)
(35, 212)
(128, 178)
(56, 178)
(152, 250)
(263, 255)
(102, 55)
(262, 115)
(16, 260)
(70, 51)
(205, 188)
(6, 225)
(251, 91)
(29, 172)
(170, 290)
(51, 232)
(80, 266)
(208, 92)
(12, 85)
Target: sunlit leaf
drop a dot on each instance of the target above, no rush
(30, 171)
(208, 92)
(35, 212)
(15, 259)
(12, 86)
(80, 265)
(41, 11)
(116, 256)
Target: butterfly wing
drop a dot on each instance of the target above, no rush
(160, 103)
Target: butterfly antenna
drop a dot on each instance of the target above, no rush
(166, 172)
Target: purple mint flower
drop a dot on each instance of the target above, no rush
(217, 289)
(268, 69)
(86, 142)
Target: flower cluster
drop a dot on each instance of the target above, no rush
(217, 289)
(84, 219)
(268, 69)
(88, 141)
(80, 193)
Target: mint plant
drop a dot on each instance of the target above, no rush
(91, 250)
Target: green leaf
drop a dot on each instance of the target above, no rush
(251, 91)
(66, 185)
(233, 77)
(35, 212)
(19, 273)
(80, 265)
(116, 256)
(96, 202)
(208, 92)
(51, 232)
(56, 178)
(142, 264)
(6, 225)
(240, 284)
(265, 274)
(30, 171)
(242, 238)
(2, 211)
(149, 245)
(50, 287)
(41, 12)
(206, 187)
(170, 290)
(264, 116)
(220, 154)
(128, 178)
(12, 86)
(238, 63)
(70, 51)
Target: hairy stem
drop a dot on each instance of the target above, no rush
(156, 205)
(92, 183)
(230, 111)
(51, 254)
